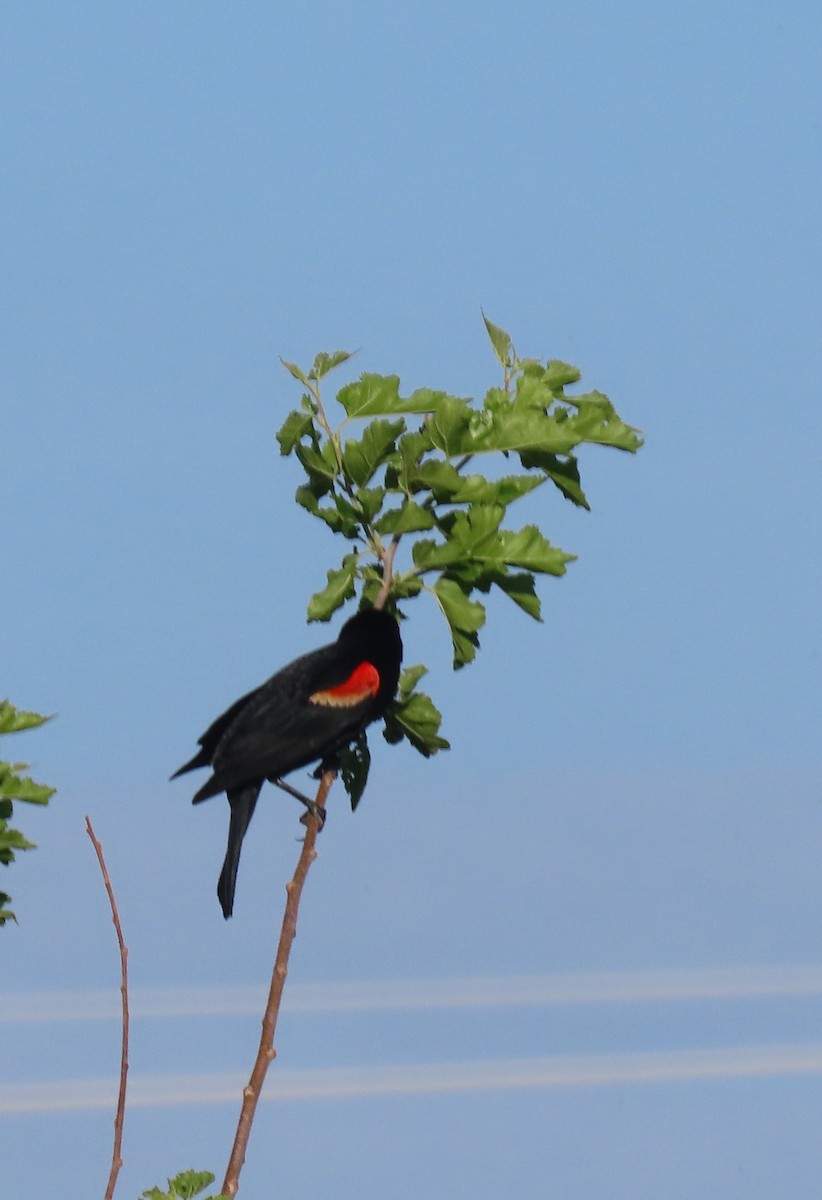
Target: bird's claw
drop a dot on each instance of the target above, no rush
(313, 810)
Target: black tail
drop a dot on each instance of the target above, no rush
(243, 802)
(201, 759)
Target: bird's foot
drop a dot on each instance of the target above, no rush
(311, 806)
(313, 810)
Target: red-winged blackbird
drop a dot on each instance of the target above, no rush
(307, 712)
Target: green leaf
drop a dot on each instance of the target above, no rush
(184, 1186)
(476, 489)
(558, 374)
(17, 787)
(598, 421)
(424, 400)
(441, 478)
(564, 472)
(14, 840)
(296, 426)
(411, 447)
(371, 396)
(296, 371)
(323, 363)
(495, 399)
(471, 534)
(15, 720)
(474, 536)
(405, 586)
(449, 426)
(410, 518)
(531, 549)
(465, 617)
(378, 443)
(340, 587)
(519, 428)
(355, 761)
(370, 501)
(501, 342)
(521, 588)
(379, 395)
(318, 462)
(414, 716)
(306, 496)
(409, 678)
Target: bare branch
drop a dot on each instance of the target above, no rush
(266, 1052)
(117, 1154)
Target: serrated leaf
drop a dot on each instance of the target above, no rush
(529, 548)
(521, 588)
(557, 374)
(495, 399)
(410, 449)
(317, 462)
(184, 1186)
(471, 534)
(563, 472)
(370, 501)
(350, 520)
(15, 720)
(13, 839)
(476, 489)
(416, 718)
(17, 787)
(296, 426)
(410, 518)
(522, 428)
(501, 341)
(371, 396)
(379, 395)
(309, 494)
(465, 617)
(598, 421)
(424, 400)
(409, 678)
(442, 479)
(364, 457)
(449, 426)
(355, 762)
(306, 497)
(323, 363)
(429, 555)
(338, 589)
(406, 586)
(296, 371)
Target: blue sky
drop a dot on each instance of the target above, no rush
(194, 190)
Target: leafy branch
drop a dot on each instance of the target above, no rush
(410, 481)
(14, 786)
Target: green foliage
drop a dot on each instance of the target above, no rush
(184, 1186)
(414, 716)
(14, 786)
(402, 478)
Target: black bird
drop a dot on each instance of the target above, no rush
(308, 712)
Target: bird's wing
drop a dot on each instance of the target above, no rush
(289, 722)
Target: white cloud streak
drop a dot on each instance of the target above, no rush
(613, 987)
(602, 1070)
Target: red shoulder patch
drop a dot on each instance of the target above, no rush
(363, 682)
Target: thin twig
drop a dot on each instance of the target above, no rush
(117, 1155)
(387, 571)
(266, 1052)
